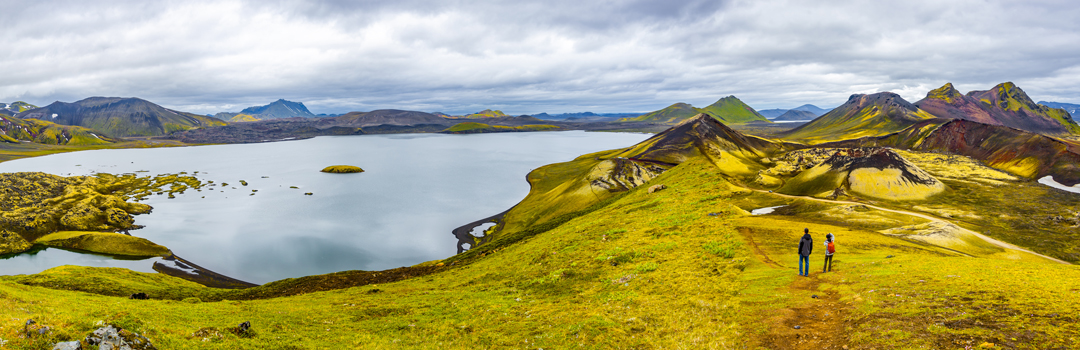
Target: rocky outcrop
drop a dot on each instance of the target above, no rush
(867, 172)
(111, 337)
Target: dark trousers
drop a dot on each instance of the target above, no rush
(828, 263)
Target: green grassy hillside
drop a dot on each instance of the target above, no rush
(243, 118)
(682, 267)
(671, 114)
(729, 110)
(487, 113)
(15, 130)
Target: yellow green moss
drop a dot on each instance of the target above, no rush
(104, 243)
(342, 169)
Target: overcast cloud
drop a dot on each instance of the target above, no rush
(552, 56)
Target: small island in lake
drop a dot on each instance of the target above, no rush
(342, 169)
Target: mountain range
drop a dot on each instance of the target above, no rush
(119, 117)
(275, 110)
(585, 116)
(862, 115)
(1005, 104)
(729, 110)
(776, 112)
(390, 117)
(795, 114)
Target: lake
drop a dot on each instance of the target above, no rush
(400, 212)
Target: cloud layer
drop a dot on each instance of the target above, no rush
(530, 57)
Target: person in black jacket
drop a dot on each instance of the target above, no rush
(806, 246)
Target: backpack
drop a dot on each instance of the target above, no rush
(831, 248)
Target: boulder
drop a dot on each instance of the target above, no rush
(110, 337)
(68, 345)
(657, 188)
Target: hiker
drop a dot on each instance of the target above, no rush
(830, 248)
(806, 246)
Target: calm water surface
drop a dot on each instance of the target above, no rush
(416, 189)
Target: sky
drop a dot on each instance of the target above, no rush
(556, 56)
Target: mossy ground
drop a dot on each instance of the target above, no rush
(104, 243)
(680, 268)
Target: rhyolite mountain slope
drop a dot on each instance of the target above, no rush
(1072, 108)
(1023, 153)
(390, 117)
(729, 110)
(1005, 104)
(794, 114)
(862, 115)
(119, 117)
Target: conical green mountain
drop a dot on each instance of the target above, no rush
(862, 115)
(120, 117)
(729, 110)
(1005, 104)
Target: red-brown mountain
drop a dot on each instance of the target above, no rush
(1005, 104)
(1023, 153)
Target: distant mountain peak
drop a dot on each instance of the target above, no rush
(281, 108)
(946, 92)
